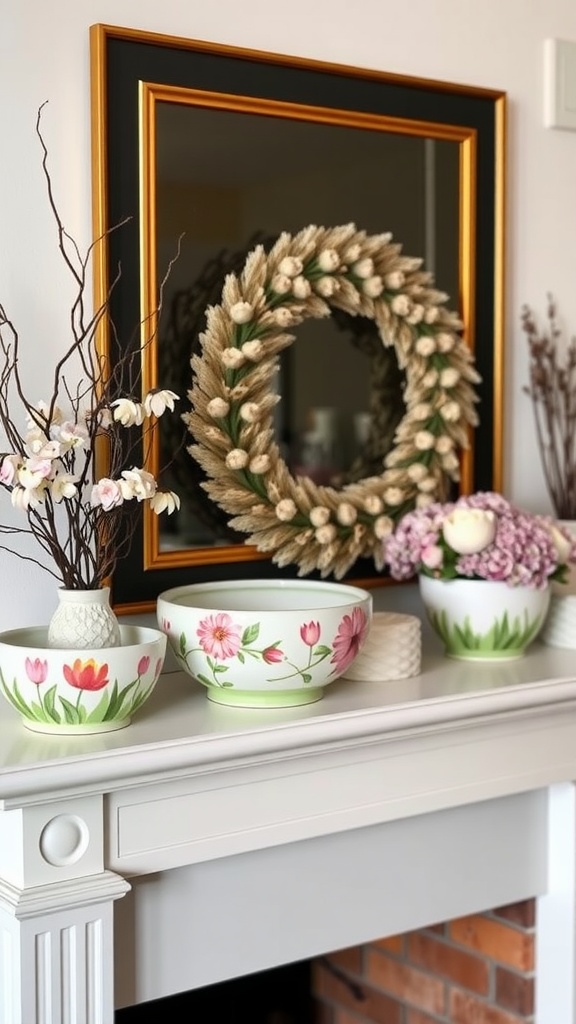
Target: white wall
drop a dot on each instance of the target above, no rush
(44, 55)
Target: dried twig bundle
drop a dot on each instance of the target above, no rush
(552, 390)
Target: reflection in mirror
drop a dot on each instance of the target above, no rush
(341, 391)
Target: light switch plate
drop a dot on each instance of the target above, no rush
(560, 84)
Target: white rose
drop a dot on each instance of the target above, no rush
(450, 412)
(400, 305)
(424, 440)
(394, 280)
(373, 286)
(393, 496)
(218, 407)
(281, 284)
(346, 513)
(241, 312)
(325, 534)
(417, 471)
(250, 412)
(416, 314)
(301, 287)
(328, 260)
(469, 530)
(449, 377)
(445, 342)
(236, 459)
(425, 345)
(285, 510)
(232, 358)
(364, 268)
(291, 266)
(259, 464)
(319, 515)
(253, 350)
(326, 286)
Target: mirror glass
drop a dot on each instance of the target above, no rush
(225, 147)
(294, 172)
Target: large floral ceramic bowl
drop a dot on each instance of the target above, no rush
(265, 643)
(57, 690)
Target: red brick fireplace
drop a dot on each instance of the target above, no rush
(473, 970)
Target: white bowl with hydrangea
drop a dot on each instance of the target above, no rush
(485, 569)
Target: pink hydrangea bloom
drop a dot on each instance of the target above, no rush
(522, 551)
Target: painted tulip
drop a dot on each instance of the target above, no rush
(36, 670)
(310, 633)
(272, 655)
(86, 675)
(143, 665)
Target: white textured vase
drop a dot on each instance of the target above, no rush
(83, 619)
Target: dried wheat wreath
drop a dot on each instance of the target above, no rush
(232, 398)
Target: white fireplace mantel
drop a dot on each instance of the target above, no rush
(242, 839)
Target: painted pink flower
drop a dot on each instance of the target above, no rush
(272, 655)
(219, 636)
(166, 625)
(36, 670)
(349, 639)
(143, 665)
(86, 675)
(310, 633)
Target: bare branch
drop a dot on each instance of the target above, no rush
(84, 526)
(552, 391)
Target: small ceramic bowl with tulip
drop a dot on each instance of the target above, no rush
(265, 643)
(57, 690)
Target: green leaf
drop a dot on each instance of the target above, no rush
(49, 699)
(306, 677)
(98, 714)
(204, 680)
(241, 657)
(220, 668)
(502, 636)
(250, 634)
(322, 651)
(113, 699)
(14, 697)
(37, 712)
(70, 712)
(118, 710)
(182, 644)
(140, 698)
